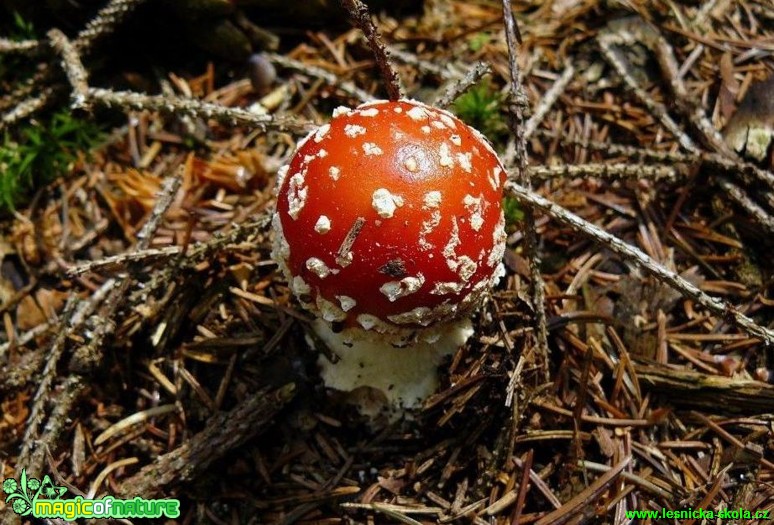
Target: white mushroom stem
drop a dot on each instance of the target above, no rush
(406, 375)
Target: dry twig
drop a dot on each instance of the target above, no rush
(547, 101)
(182, 106)
(224, 432)
(634, 255)
(518, 107)
(459, 87)
(71, 63)
(360, 16)
(348, 88)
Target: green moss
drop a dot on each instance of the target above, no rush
(513, 213)
(38, 152)
(480, 107)
(478, 40)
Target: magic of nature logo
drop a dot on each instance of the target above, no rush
(30, 496)
(21, 495)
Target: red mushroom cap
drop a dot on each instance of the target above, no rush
(390, 217)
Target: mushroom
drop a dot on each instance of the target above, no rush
(389, 228)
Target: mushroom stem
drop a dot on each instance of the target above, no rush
(406, 375)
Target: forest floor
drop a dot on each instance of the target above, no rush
(150, 346)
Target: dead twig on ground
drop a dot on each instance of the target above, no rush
(634, 255)
(610, 172)
(224, 432)
(125, 101)
(361, 18)
(104, 23)
(547, 101)
(721, 395)
(459, 87)
(346, 87)
(71, 63)
(575, 506)
(518, 107)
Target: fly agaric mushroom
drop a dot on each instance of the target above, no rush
(389, 228)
